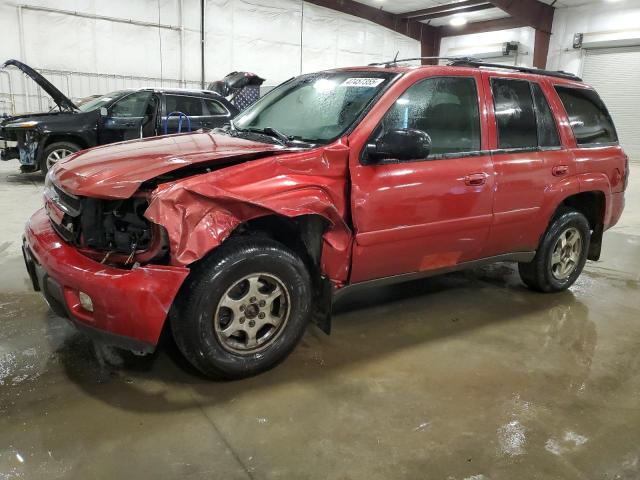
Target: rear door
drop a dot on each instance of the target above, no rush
(430, 213)
(527, 157)
(216, 114)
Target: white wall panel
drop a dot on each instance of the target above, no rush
(479, 41)
(277, 39)
(593, 18)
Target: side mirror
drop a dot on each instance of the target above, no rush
(402, 144)
(104, 112)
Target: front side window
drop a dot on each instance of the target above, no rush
(446, 108)
(317, 108)
(101, 101)
(589, 118)
(515, 114)
(190, 106)
(134, 105)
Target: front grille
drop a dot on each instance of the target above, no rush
(67, 202)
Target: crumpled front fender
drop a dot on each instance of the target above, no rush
(200, 212)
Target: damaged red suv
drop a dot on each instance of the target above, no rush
(238, 238)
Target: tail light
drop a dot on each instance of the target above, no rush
(625, 175)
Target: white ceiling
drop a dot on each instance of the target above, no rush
(480, 16)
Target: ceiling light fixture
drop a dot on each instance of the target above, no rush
(457, 21)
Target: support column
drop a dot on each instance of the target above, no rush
(430, 44)
(541, 49)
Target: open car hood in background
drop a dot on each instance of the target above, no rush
(58, 97)
(116, 171)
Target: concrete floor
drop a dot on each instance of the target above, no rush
(466, 376)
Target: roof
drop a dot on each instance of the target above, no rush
(469, 66)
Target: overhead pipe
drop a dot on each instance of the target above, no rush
(23, 57)
(181, 7)
(202, 43)
(91, 16)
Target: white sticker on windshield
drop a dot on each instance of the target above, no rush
(362, 82)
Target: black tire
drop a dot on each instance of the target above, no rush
(539, 274)
(193, 328)
(56, 146)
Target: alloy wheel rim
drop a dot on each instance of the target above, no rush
(252, 313)
(566, 253)
(57, 155)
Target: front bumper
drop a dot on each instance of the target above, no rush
(8, 150)
(129, 306)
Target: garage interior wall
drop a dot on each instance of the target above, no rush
(622, 17)
(478, 43)
(276, 39)
(612, 71)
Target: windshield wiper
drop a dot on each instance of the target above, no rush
(271, 132)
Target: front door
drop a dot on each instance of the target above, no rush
(124, 120)
(429, 213)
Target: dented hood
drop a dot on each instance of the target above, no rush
(117, 170)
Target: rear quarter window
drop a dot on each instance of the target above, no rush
(588, 116)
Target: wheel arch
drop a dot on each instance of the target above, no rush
(59, 137)
(304, 235)
(592, 204)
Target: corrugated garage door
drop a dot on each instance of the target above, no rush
(615, 74)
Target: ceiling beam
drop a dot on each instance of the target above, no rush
(481, 27)
(533, 12)
(442, 8)
(404, 26)
(472, 8)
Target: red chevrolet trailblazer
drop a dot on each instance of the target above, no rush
(333, 181)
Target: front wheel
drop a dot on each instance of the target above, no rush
(55, 152)
(245, 309)
(561, 255)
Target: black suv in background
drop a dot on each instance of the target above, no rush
(45, 138)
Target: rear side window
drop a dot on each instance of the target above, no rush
(191, 106)
(214, 108)
(547, 130)
(515, 113)
(589, 118)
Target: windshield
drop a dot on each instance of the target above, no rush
(102, 101)
(315, 108)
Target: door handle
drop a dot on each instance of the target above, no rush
(475, 179)
(559, 170)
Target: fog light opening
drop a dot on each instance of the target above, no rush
(86, 302)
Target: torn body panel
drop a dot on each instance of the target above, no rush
(127, 303)
(200, 212)
(116, 171)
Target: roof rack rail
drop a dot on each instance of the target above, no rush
(467, 62)
(395, 61)
(478, 63)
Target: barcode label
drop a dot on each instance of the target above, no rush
(362, 82)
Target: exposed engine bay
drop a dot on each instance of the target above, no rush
(113, 232)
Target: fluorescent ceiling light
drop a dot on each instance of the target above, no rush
(458, 21)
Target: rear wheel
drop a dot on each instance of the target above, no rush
(55, 152)
(561, 255)
(245, 308)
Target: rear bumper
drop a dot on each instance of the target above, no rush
(616, 207)
(129, 306)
